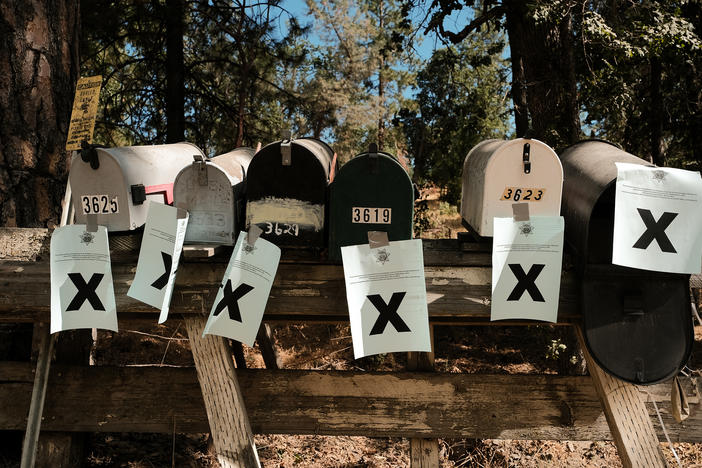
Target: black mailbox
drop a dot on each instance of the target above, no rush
(286, 191)
(637, 323)
(371, 192)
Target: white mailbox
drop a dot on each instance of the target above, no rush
(498, 173)
(212, 192)
(114, 183)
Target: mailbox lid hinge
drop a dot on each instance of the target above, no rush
(286, 148)
(201, 164)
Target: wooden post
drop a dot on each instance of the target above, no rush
(424, 453)
(36, 407)
(627, 417)
(267, 346)
(226, 413)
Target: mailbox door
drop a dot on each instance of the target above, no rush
(210, 202)
(637, 324)
(288, 201)
(508, 181)
(370, 193)
(92, 195)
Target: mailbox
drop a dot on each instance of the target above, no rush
(114, 183)
(637, 323)
(371, 192)
(212, 191)
(498, 173)
(286, 191)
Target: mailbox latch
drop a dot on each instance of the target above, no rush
(286, 148)
(138, 194)
(525, 158)
(373, 158)
(201, 164)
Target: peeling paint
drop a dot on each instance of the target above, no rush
(285, 210)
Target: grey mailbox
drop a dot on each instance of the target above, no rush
(114, 183)
(212, 192)
(637, 323)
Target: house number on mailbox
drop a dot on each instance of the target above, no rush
(371, 215)
(523, 193)
(99, 204)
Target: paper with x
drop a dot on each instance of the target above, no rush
(387, 298)
(161, 245)
(82, 294)
(657, 221)
(241, 299)
(526, 268)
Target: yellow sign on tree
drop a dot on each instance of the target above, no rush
(85, 105)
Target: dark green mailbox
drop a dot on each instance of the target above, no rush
(371, 192)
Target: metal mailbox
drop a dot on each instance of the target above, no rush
(212, 191)
(371, 192)
(637, 323)
(498, 173)
(286, 191)
(114, 183)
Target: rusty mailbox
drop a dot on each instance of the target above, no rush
(498, 173)
(114, 183)
(287, 190)
(212, 192)
(637, 323)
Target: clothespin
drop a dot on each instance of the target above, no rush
(253, 234)
(377, 239)
(520, 211)
(286, 148)
(91, 223)
(373, 158)
(182, 210)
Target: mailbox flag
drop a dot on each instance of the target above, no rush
(241, 299)
(161, 245)
(657, 222)
(526, 268)
(387, 298)
(82, 294)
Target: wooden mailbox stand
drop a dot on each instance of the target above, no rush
(412, 404)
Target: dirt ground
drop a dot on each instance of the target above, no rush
(470, 349)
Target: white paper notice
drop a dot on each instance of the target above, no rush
(241, 300)
(82, 294)
(158, 258)
(526, 268)
(658, 219)
(387, 298)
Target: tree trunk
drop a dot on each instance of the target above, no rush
(40, 63)
(543, 75)
(175, 79)
(381, 81)
(655, 119)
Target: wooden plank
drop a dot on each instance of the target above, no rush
(201, 251)
(309, 292)
(226, 412)
(628, 419)
(375, 404)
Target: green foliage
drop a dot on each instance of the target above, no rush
(640, 78)
(461, 101)
(233, 53)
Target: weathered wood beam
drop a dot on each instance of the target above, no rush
(627, 416)
(300, 292)
(226, 412)
(376, 404)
